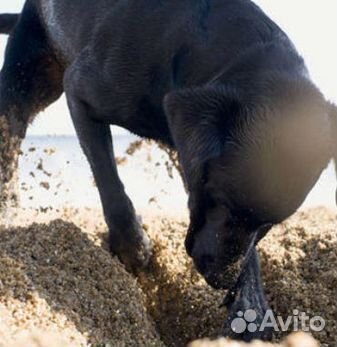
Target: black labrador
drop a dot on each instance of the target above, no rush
(216, 80)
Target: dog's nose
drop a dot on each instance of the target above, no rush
(204, 263)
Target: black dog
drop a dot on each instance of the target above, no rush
(216, 80)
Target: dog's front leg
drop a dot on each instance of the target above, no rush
(247, 305)
(127, 239)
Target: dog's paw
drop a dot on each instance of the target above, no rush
(133, 249)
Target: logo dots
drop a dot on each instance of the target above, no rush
(245, 321)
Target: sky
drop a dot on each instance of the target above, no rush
(311, 24)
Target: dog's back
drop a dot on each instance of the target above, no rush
(137, 51)
(202, 36)
(147, 48)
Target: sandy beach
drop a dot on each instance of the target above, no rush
(58, 276)
(59, 282)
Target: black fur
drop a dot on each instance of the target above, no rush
(8, 22)
(216, 80)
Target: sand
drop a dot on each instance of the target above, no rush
(58, 276)
(53, 276)
(299, 261)
(294, 340)
(38, 338)
(43, 339)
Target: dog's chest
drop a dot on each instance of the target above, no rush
(141, 114)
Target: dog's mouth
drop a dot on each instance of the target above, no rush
(226, 276)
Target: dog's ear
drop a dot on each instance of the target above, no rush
(200, 120)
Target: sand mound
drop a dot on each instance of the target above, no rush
(294, 340)
(299, 262)
(54, 278)
(60, 278)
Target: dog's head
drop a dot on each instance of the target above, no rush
(249, 161)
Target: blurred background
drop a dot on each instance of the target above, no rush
(53, 171)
